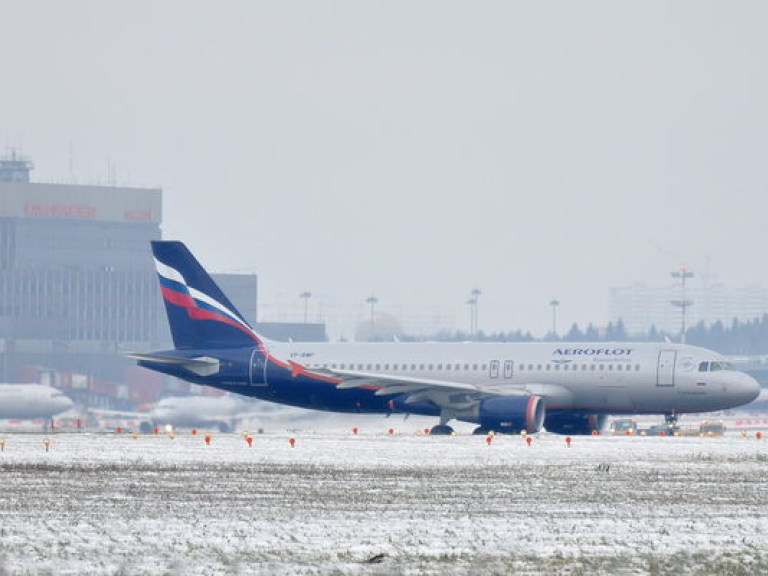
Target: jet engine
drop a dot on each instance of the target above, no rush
(575, 424)
(512, 414)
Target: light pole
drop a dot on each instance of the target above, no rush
(306, 295)
(554, 304)
(372, 300)
(475, 318)
(683, 273)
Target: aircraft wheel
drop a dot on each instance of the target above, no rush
(441, 430)
(480, 431)
(224, 428)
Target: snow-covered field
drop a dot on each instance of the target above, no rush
(115, 504)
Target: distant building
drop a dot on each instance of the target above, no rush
(641, 306)
(76, 278)
(78, 286)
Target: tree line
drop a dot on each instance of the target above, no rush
(739, 338)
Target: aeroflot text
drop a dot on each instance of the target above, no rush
(593, 352)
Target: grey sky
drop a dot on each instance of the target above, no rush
(415, 149)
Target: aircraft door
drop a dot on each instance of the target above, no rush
(665, 370)
(257, 372)
(494, 369)
(508, 368)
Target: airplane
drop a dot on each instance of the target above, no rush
(188, 411)
(31, 401)
(221, 412)
(563, 387)
(196, 412)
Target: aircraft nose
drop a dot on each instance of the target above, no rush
(748, 388)
(63, 404)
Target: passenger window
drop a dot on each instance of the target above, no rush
(592, 367)
(421, 366)
(439, 366)
(431, 366)
(548, 367)
(637, 367)
(610, 366)
(538, 367)
(583, 366)
(447, 366)
(474, 367)
(378, 367)
(602, 367)
(386, 366)
(458, 366)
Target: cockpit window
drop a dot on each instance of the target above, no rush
(715, 366)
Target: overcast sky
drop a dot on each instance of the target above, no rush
(415, 150)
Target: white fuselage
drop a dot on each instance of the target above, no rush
(195, 410)
(607, 377)
(30, 401)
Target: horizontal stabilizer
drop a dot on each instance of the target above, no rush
(201, 365)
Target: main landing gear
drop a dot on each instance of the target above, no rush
(442, 429)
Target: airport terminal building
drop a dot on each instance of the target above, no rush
(78, 285)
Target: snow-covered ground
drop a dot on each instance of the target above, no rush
(117, 504)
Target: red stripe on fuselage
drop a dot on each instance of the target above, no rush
(198, 313)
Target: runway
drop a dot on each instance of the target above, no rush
(338, 503)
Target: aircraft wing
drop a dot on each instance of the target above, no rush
(443, 393)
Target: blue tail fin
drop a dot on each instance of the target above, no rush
(199, 314)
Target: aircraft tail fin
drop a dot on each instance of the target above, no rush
(199, 314)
